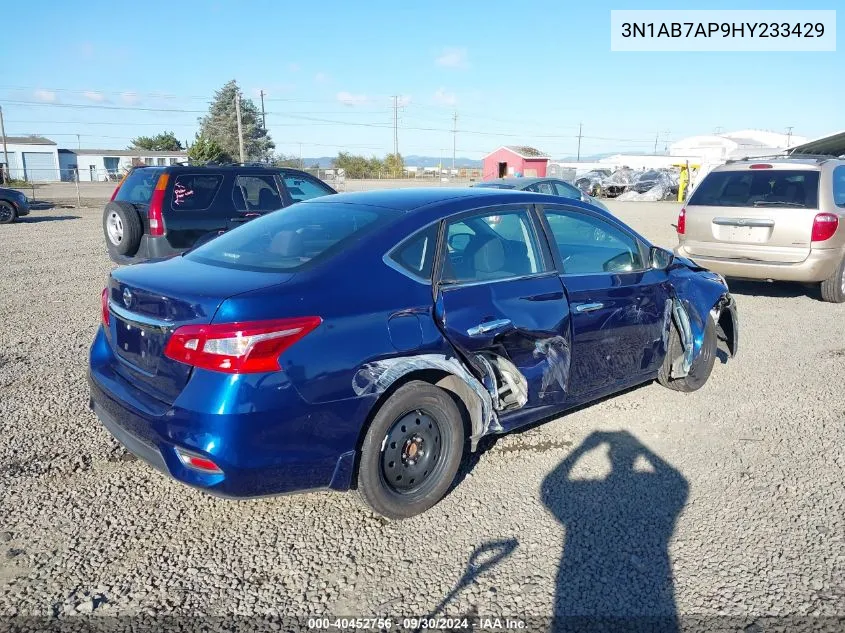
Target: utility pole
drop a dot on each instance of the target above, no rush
(578, 157)
(263, 116)
(454, 138)
(240, 126)
(5, 150)
(656, 139)
(78, 142)
(395, 125)
(789, 137)
(300, 155)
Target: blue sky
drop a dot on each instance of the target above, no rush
(514, 76)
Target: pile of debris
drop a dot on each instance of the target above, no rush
(646, 185)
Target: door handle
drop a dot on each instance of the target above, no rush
(588, 307)
(488, 326)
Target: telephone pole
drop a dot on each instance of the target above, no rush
(240, 126)
(395, 125)
(789, 137)
(5, 150)
(263, 116)
(454, 139)
(656, 139)
(578, 157)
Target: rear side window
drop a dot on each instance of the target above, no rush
(567, 190)
(416, 254)
(301, 188)
(256, 193)
(138, 186)
(759, 188)
(839, 186)
(290, 238)
(195, 192)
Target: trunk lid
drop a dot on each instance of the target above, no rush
(149, 301)
(759, 213)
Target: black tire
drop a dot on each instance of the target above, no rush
(702, 365)
(8, 213)
(414, 405)
(833, 288)
(122, 228)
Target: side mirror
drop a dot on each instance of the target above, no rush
(660, 258)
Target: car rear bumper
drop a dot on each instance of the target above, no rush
(295, 447)
(818, 266)
(149, 248)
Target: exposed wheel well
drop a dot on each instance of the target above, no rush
(436, 377)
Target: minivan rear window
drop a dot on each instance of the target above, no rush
(291, 238)
(138, 186)
(759, 188)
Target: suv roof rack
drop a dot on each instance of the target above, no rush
(817, 157)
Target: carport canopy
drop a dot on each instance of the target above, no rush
(831, 145)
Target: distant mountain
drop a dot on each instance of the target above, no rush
(325, 162)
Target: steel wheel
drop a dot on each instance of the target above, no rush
(7, 212)
(114, 228)
(411, 452)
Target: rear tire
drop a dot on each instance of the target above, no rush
(8, 213)
(833, 288)
(417, 430)
(122, 228)
(702, 365)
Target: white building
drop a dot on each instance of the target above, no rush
(100, 165)
(718, 148)
(30, 158)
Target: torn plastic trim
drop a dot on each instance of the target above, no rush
(376, 377)
(681, 365)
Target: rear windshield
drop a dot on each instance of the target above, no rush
(138, 186)
(759, 188)
(493, 185)
(290, 238)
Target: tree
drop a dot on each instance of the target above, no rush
(164, 142)
(394, 165)
(206, 150)
(221, 125)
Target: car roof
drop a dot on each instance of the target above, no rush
(810, 163)
(225, 167)
(516, 182)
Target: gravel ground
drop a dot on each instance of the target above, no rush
(729, 501)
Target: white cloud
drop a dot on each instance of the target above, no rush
(452, 57)
(441, 97)
(45, 96)
(347, 98)
(96, 97)
(321, 78)
(129, 98)
(293, 67)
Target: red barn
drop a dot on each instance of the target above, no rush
(515, 160)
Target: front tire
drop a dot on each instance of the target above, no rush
(8, 214)
(411, 452)
(833, 288)
(702, 365)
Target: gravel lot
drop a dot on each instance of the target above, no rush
(735, 504)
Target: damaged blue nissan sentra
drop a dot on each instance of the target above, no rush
(367, 340)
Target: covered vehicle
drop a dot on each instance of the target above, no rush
(618, 182)
(591, 181)
(272, 359)
(652, 185)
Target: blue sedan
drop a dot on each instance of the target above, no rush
(367, 340)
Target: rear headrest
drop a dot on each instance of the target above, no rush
(490, 257)
(288, 244)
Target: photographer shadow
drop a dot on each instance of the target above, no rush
(615, 572)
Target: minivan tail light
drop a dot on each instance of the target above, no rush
(104, 301)
(761, 166)
(824, 226)
(238, 348)
(682, 221)
(156, 205)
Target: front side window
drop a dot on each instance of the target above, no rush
(416, 254)
(588, 245)
(490, 247)
(301, 188)
(195, 192)
(256, 193)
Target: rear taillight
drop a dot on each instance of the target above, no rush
(824, 226)
(682, 222)
(238, 348)
(105, 307)
(156, 205)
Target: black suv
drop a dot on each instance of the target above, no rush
(163, 211)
